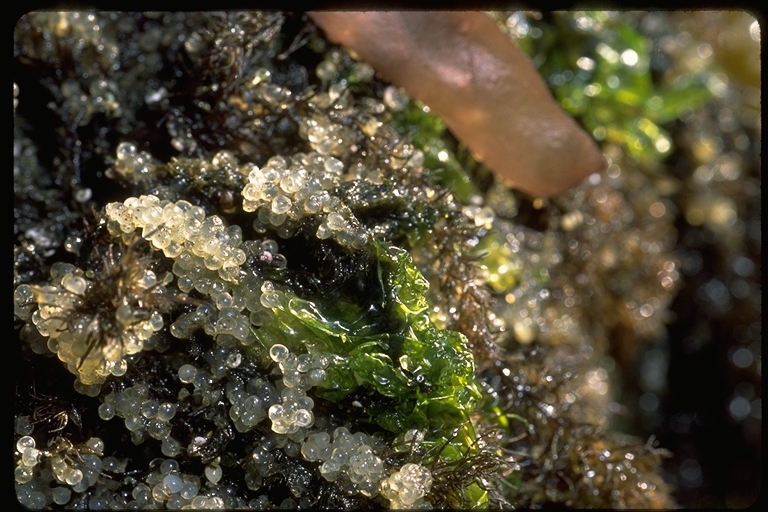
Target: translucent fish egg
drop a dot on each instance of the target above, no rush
(278, 353)
(24, 443)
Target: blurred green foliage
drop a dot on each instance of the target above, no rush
(598, 68)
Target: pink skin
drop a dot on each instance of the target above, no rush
(487, 91)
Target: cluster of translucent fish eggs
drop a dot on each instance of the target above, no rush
(142, 415)
(250, 403)
(70, 332)
(325, 136)
(407, 487)
(284, 193)
(133, 164)
(300, 373)
(292, 191)
(167, 485)
(207, 257)
(30, 456)
(176, 228)
(293, 413)
(350, 455)
(72, 468)
(224, 319)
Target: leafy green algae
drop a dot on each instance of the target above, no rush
(390, 347)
